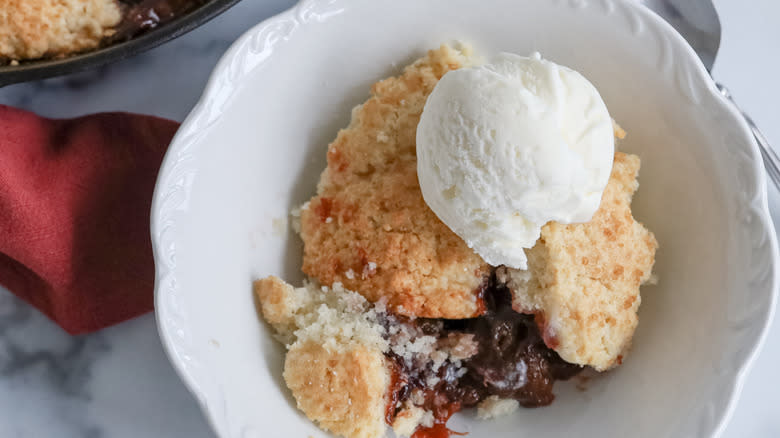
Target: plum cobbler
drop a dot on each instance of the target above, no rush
(32, 29)
(402, 324)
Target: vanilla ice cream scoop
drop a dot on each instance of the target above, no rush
(505, 147)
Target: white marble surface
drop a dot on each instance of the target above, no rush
(117, 383)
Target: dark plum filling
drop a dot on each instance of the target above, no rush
(510, 360)
(142, 15)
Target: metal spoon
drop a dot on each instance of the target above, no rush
(697, 21)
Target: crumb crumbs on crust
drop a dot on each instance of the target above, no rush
(335, 318)
(32, 29)
(409, 418)
(583, 279)
(331, 333)
(494, 407)
(335, 365)
(278, 304)
(369, 227)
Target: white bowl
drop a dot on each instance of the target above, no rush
(254, 146)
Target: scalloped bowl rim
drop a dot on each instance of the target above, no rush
(702, 75)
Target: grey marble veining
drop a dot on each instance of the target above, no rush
(117, 383)
(39, 362)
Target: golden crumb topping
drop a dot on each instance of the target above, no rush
(583, 279)
(34, 28)
(369, 227)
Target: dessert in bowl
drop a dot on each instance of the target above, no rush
(482, 217)
(221, 218)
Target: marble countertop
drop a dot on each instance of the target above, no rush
(118, 383)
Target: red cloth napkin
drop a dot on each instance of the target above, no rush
(75, 197)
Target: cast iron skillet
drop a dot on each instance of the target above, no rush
(32, 70)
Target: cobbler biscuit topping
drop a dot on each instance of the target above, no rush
(369, 227)
(583, 280)
(402, 324)
(31, 29)
(35, 28)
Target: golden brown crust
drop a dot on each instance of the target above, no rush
(279, 303)
(335, 364)
(275, 298)
(583, 279)
(34, 28)
(369, 226)
(344, 392)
